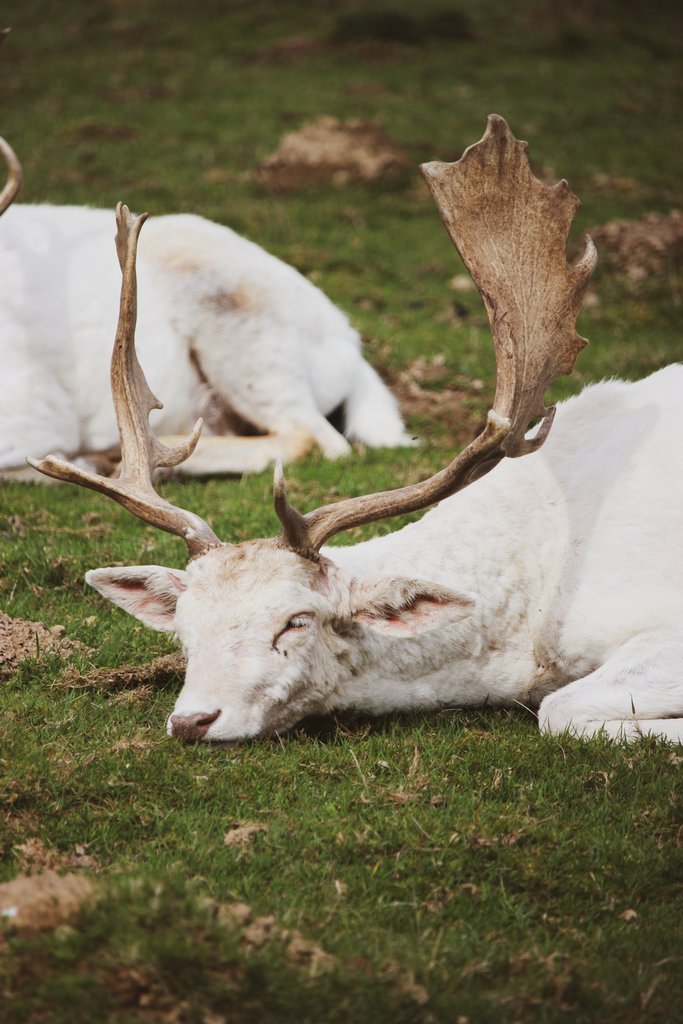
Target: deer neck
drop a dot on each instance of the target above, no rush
(486, 656)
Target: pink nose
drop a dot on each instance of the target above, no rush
(192, 727)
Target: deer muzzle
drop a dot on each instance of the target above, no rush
(192, 727)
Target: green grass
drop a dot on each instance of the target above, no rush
(464, 851)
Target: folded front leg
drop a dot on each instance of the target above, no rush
(637, 692)
(217, 455)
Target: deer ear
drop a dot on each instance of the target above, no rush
(148, 592)
(404, 607)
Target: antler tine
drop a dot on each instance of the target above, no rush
(14, 172)
(14, 176)
(141, 451)
(511, 232)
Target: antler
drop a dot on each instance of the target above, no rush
(14, 173)
(141, 451)
(511, 232)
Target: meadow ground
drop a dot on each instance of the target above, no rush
(454, 866)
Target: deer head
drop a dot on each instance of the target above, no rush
(272, 628)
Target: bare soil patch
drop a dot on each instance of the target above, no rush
(642, 248)
(34, 856)
(428, 388)
(331, 152)
(21, 639)
(257, 931)
(242, 834)
(36, 903)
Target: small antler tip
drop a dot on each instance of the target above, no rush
(497, 125)
(586, 263)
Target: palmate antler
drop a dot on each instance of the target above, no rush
(141, 451)
(511, 232)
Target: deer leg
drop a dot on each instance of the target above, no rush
(277, 402)
(292, 412)
(637, 692)
(371, 412)
(333, 444)
(217, 455)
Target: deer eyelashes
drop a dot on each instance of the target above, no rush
(296, 624)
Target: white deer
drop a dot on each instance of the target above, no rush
(554, 582)
(228, 332)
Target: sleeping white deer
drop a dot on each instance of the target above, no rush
(228, 331)
(553, 582)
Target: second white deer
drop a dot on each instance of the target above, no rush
(227, 331)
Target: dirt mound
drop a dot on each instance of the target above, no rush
(642, 248)
(428, 388)
(36, 903)
(34, 856)
(257, 931)
(21, 639)
(329, 152)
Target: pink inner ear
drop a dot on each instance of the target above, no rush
(422, 613)
(156, 603)
(177, 581)
(148, 597)
(145, 597)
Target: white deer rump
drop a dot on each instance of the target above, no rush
(225, 330)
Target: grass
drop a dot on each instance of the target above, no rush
(494, 868)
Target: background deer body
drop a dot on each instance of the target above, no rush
(226, 330)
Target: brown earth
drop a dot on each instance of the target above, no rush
(34, 856)
(428, 388)
(641, 248)
(36, 903)
(331, 152)
(21, 639)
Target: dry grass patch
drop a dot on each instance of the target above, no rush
(137, 680)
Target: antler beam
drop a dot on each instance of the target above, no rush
(511, 232)
(141, 451)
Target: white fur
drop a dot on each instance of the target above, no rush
(553, 581)
(273, 347)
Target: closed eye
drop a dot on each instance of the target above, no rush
(296, 622)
